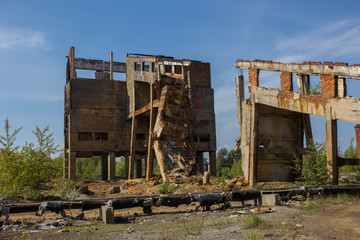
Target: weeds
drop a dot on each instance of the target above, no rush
(254, 221)
(167, 187)
(319, 202)
(195, 227)
(252, 236)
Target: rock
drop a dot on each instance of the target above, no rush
(115, 189)
(84, 190)
(123, 187)
(206, 178)
(298, 225)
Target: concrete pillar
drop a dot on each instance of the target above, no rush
(139, 168)
(104, 166)
(331, 147)
(66, 166)
(127, 165)
(341, 87)
(253, 153)
(72, 165)
(200, 161)
(357, 136)
(107, 214)
(212, 161)
(111, 165)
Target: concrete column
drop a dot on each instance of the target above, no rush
(127, 165)
(66, 166)
(111, 165)
(104, 166)
(200, 161)
(357, 138)
(72, 165)
(253, 155)
(331, 147)
(139, 168)
(212, 161)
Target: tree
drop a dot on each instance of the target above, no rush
(26, 172)
(221, 159)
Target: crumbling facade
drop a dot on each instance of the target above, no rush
(274, 121)
(164, 111)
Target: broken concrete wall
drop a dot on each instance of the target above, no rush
(275, 121)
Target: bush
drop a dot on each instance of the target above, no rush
(26, 172)
(312, 168)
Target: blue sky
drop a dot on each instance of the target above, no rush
(35, 37)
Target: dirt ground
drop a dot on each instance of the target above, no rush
(341, 221)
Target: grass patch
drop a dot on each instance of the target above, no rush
(254, 221)
(252, 236)
(167, 187)
(319, 202)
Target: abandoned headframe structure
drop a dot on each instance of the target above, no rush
(274, 121)
(164, 109)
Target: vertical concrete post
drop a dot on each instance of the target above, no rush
(357, 136)
(150, 155)
(139, 168)
(212, 161)
(104, 166)
(200, 161)
(253, 143)
(331, 146)
(66, 166)
(127, 165)
(72, 165)
(341, 87)
(239, 81)
(111, 165)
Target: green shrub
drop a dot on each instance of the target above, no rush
(27, 172)
(312, 168)
(167, 187)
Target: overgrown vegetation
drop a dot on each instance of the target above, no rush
(318, 202)
(228, 164)
(350, 152)
(167, 187)
(312, 168)
(25, 172)
(254, 221)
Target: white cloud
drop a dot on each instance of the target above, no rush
(333, 40)
(21, 38)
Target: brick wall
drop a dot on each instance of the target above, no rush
(254, 77)
(328, 86)
(286, 81)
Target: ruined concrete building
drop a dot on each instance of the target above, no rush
(164, 109)
(274, 121)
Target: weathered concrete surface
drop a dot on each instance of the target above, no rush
(273, 121)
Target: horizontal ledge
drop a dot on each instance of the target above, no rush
(98, 65)
(352, 72)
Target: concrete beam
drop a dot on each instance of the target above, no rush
(345, 109)
(316, 68)
(98, 65)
